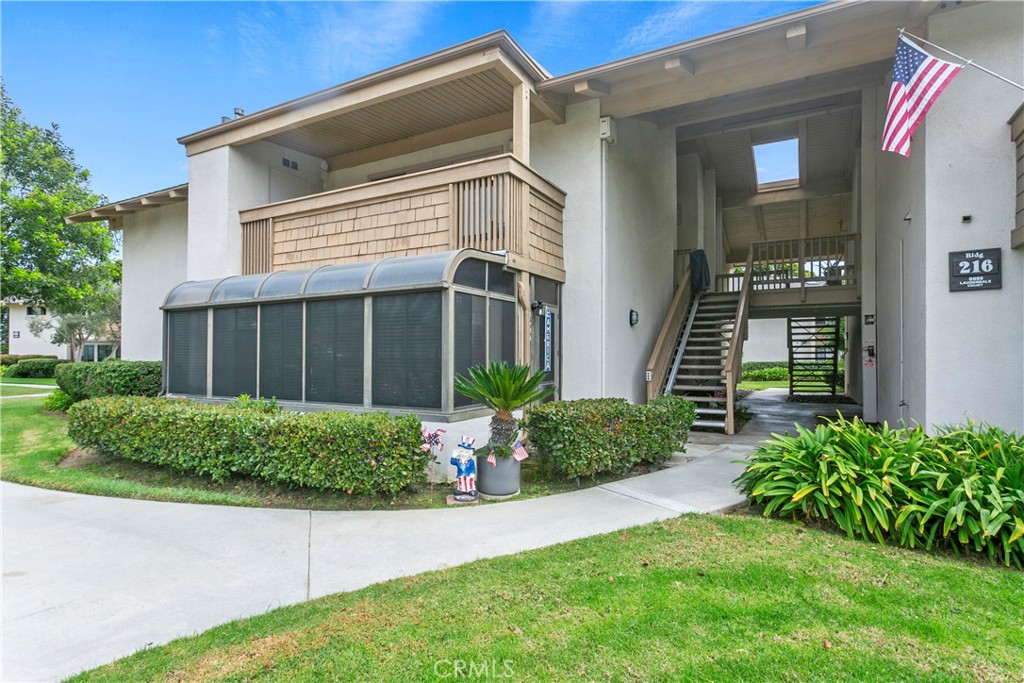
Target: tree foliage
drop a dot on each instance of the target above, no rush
(100, 320)
(44, 259)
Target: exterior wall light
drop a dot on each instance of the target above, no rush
(634, 317)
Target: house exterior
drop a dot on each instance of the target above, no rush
(20, 339)
(592, 188)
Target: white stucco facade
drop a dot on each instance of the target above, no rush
(156, 260)
(946, 356)
(21, 341)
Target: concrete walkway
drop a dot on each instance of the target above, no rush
(88, 579)
(48, 390)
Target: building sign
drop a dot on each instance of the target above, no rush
(977, 269)
(547, 340)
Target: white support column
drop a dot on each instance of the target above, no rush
(521, 122)
(866, 264)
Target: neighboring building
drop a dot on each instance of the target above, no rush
(21, 341)
(592, 187)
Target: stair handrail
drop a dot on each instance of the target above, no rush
(661, 356)
(734, 358)
(683, 341)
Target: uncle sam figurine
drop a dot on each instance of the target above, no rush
(465, 465)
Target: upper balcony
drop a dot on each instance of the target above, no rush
(492, 204)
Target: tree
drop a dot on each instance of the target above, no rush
(99, 320)
(45, 260)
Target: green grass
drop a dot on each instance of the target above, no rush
(28, 380)
(33, 442)
(757, 386)
(23, 390)
(696, 598)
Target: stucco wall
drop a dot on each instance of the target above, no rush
(225, 180)
(155, 253)
(766, 340)
(569, 155)
(975, 338)
(357, 175)
(26, 342)
(641, 225)
(899, 193)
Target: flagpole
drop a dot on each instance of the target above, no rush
(969, 62)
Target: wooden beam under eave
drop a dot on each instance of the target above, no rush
(829, 189)
(551, 106)
(591, 88)
(679, 66)
(178, 194)
(796, 37)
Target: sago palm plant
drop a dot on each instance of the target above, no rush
(503, 389)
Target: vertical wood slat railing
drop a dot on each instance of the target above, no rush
(257, 246)
(734, 358)
(487, 213)
(662, 355)
(803, 262)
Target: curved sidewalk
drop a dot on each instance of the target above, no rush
(88, 579)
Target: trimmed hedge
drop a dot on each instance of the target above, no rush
(360, 454)
(962, 489)
(110, 378)
(765, 365)
(14, 358)
(39, 368)
(590, 436)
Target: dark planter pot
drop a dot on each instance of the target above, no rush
(499, 480)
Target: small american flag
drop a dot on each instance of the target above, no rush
(519, 452)
(917, 81)
(492, 459)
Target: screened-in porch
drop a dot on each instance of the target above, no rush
(388, 334)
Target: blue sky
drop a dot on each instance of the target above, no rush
(125, 79)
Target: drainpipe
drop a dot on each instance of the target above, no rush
(604, 261)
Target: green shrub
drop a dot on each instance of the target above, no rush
(114, 378)
(13, 358)
(766, 375)
(58, 401)
(586, 437)
(961, 489)
(360, 454)
(764, 365)
(39, 368)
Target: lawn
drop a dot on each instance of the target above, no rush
(757, 386)
(22, 390)
(33, 442)
(28, 380)
(696, 598)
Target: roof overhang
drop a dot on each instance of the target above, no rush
(836, 36)
(114, 212)
(461, 91)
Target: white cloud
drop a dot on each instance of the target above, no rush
(256, 39)
(350, 40)
(668, 25)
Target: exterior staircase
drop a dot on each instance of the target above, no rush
(700, 367)
(814, 345)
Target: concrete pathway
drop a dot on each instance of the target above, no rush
(89, 579)
(48, 390)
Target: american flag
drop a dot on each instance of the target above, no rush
(492, 459)
(917, 80)
(519, 452)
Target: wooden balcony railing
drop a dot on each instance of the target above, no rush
(797, 264)
(493, 204)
